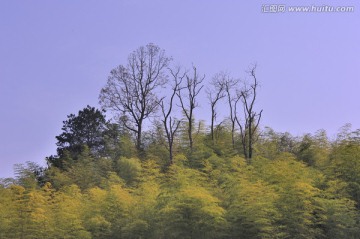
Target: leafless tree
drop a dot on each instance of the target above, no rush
(131, 90)
(230, 86)
(251, 118)
(188, 100)
(214, 94)
(171, 125)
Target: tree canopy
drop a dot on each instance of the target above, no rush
(188, 179)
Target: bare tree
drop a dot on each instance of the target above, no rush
(230, 85)
(131, 90)
(193, 86)
(171, 125)
(214, 94)
(251, 118)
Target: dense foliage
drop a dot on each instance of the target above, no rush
(304, 187)
(177, 178)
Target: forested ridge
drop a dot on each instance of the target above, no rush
(148, 168)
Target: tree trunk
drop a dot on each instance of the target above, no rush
(190, 134)
(212, 125)
(138, 138)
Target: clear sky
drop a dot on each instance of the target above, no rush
(56, 55)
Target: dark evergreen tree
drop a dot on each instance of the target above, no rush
(88, 128)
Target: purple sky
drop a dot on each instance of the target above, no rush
(56, 55)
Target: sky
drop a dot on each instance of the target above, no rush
(55, 56)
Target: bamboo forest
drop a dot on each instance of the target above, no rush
(145, 164)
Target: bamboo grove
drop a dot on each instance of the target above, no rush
(155, 171)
